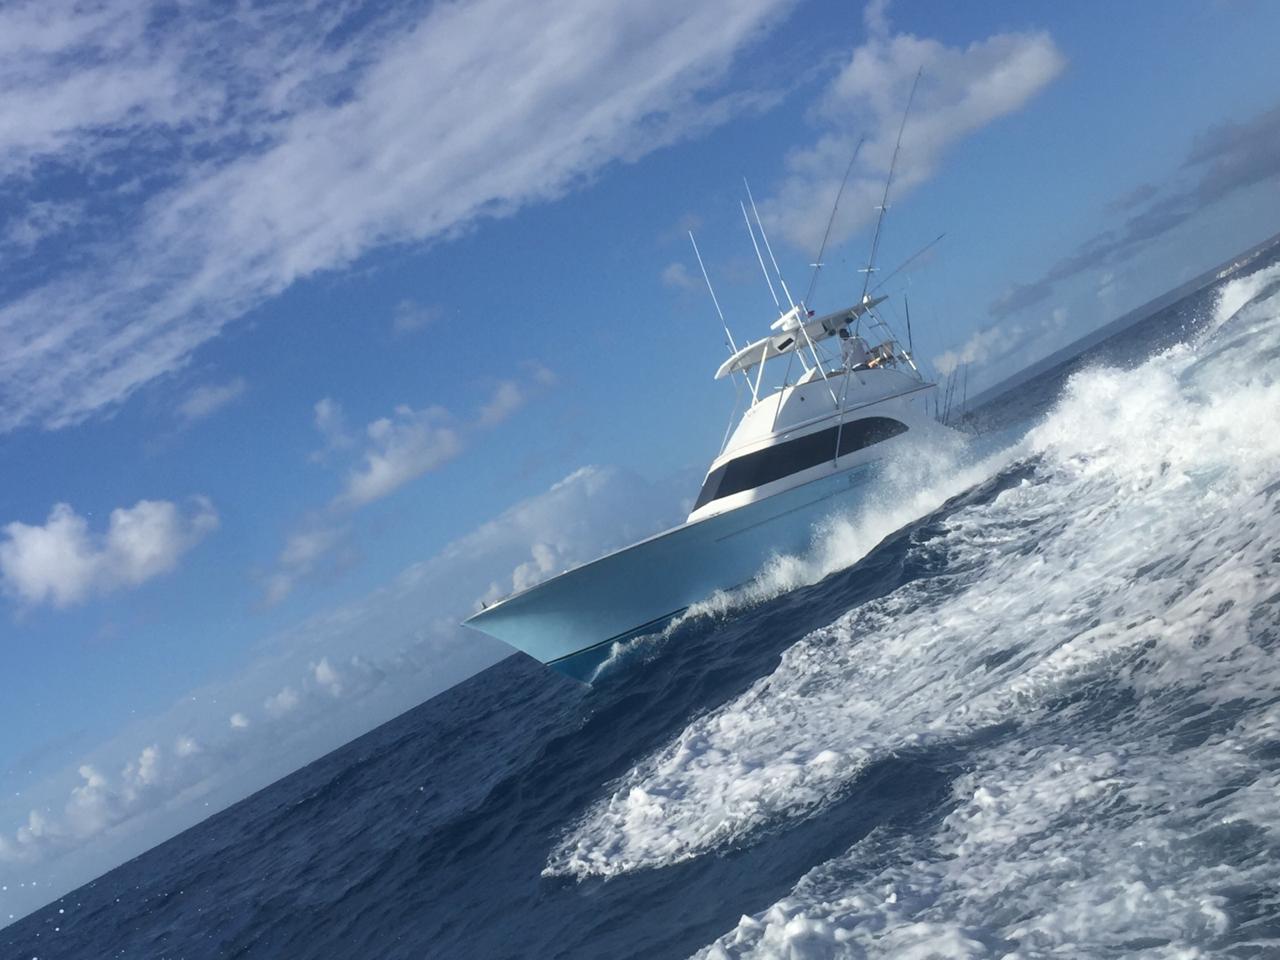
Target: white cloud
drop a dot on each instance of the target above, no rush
(142, 773)
(63, 562)
(56, 562)
(285, 701)
(209, 398)
(37, 826)
(401, 448)
(961, 91)
(875, 16)
(981, 346)
(97, 802)
(544, 561)
(239, 721)
(312, 154)
(326, 677)
(89, 808)
(331, 421)
(507, 398)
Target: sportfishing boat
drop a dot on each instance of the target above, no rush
(798, 455)
(803, 450)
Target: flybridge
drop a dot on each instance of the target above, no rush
(794, 336)
(798, 333)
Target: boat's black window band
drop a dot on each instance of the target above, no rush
(783, 459)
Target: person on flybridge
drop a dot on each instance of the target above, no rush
(853, 350)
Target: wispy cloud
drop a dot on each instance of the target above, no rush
(207, 399)
(392, 452)
(508, 397)
(961, 90)
(331, 422)
(1008, 345)
(40, 221)
(410, 316)
(268, 153)
(110, 81)
(63, 562)
(677, 276)
(1220, 162)
(980, 347)
(320, 547)
(281, 703)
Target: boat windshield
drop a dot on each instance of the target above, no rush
(755, 469)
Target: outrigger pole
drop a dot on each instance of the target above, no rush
(817, 266)
(733, 347)
(764, 236)
(799, 312)
(711, 289)
(884, 200)
(763, 269)
(907, 262)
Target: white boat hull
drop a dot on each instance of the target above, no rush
(571, 621)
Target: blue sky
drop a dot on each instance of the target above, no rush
(318, 327)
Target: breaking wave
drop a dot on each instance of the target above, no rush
(1099, 629)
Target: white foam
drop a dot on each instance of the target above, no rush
(1140, 555)
(1240, 292)
(1056, 850)
(1119, 840)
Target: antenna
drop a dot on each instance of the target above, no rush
(817, 266)
(763, 270)
(907, 262)
(764, 236)
(884, 201)
(711, 290)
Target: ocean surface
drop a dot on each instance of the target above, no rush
(1025, 705)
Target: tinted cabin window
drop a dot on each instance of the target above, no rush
(783, 459)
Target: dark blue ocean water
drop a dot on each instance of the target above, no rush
(1041, 719)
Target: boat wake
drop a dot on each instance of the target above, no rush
(1087, 653)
